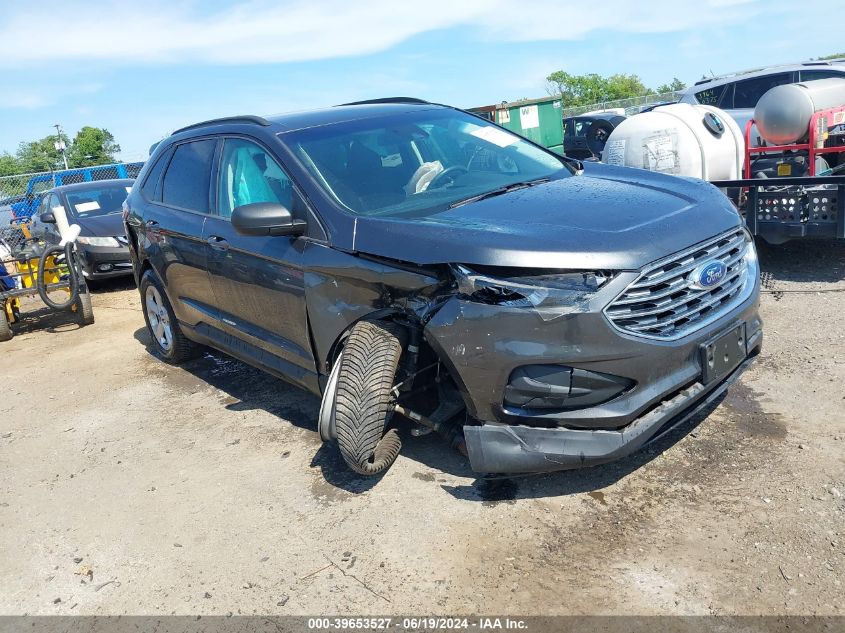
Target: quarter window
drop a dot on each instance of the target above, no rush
(151, 189)
(710, 96)
(248, 174)
(186, 181)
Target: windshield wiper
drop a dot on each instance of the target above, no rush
(499, 191)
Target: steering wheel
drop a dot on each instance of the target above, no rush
(439, 178)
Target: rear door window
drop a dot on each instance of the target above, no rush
(748, 92)
(188, 177)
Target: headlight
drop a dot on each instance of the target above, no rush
(550, 294)
(98, 241)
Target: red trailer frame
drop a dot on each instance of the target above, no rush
(820, 123)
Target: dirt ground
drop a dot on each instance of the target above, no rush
(131, 487)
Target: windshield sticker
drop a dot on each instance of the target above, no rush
(614, 152)
(85, 207)
(495, 136)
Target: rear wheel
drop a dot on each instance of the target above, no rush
(363, 403)
(168, 342)
(6, 333)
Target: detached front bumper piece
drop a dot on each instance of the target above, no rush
(504, 448)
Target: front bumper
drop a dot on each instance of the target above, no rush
(502, 448)
(104, 262)
(482, 345)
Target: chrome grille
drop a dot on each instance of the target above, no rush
(664, 303)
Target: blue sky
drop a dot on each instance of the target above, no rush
(142, 69)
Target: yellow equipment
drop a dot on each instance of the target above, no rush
(38, 270)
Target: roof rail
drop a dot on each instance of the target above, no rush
(385, 100)
(775, 68)
(245, 118)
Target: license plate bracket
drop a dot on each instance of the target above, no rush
(721, 355)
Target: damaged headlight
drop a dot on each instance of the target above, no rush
(551, 294)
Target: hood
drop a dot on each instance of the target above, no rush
(609, 218)
(101, 226)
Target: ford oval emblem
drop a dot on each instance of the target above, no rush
(708, 274)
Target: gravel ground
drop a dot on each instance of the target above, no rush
(131, 487)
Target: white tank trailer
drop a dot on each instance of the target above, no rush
(783, 113)
(679, 139)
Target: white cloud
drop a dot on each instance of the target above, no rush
(14, 100)
(262, 31)
(41, 93)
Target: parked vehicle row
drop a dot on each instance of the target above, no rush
(402, 257)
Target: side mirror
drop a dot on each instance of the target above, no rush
(266, 218)
(47, 217)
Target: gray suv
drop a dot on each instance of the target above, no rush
(407, 260)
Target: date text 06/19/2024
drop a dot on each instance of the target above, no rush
(417, 623)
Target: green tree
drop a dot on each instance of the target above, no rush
(8, 165)
(674, 86)
(623, 87)
(40, 155)
(93, 146)
(834, 56)
(575, 90)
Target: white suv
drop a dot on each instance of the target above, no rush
(738, 93)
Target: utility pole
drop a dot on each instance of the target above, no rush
(60, 144)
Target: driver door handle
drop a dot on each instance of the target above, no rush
(218, 243)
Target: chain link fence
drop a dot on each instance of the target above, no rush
(20, 195)
(631, 105)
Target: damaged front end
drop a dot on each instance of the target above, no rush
(520, 368)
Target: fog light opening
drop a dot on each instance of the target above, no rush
(561, 387)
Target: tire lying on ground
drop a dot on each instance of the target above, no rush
(363, 401)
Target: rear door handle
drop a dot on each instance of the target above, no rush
(218, 243)
(152, 223)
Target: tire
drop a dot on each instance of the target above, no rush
(364, 403)
(168, 342)
(6, 333)
(84, 309)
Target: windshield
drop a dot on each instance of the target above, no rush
(418, 162)
(93, 202)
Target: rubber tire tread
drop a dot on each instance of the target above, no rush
(84, 309)
(363, 403)
(183, 349)
(6, 333)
